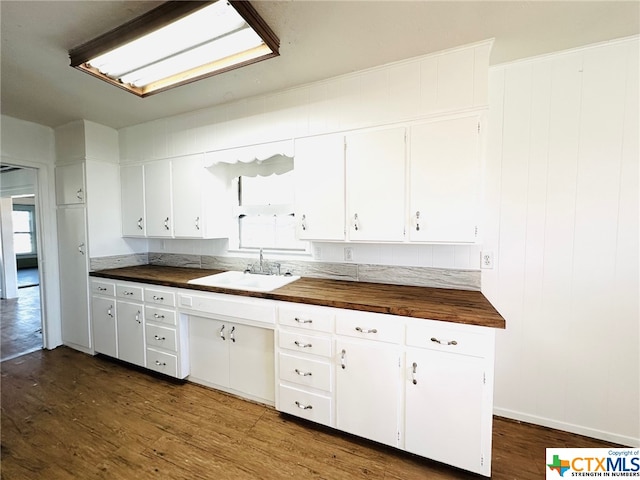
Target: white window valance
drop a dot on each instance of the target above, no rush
(274, 158)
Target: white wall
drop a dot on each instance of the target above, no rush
(562, 221)
(31, 145)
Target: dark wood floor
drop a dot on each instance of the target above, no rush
(20, 318)
(67, 415)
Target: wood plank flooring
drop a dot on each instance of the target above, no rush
(67, 415)
(20, 323)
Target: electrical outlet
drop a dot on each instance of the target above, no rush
(348, 254)
(486, 260)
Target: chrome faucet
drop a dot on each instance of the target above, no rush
(263, 267)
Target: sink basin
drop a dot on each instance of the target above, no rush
(245, 281)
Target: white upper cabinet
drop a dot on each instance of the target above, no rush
(132, 195)
(70, 186)
(375, 185)
(444, 180)
(157, 199)
(200, 209)
(319, 187)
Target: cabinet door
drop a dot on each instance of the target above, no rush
(209, 350)
(187, 175)
(74, 280)
(445, 180)
(103, 316)
(375, 176)
(157, 199)
(132, 196)
(131, 345)
(444, 408)
(367, 390)
(251, 361)
(70, 187)
(319, 188)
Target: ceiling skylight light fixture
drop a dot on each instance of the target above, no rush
(176, 43)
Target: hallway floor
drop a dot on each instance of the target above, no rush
(20, 318)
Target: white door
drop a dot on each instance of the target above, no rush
(375, 166)
(319, 188)
(132, 200)
(444, 172)
(251, 361)
(187, 177)
(131, 344)
(157, 199)
(209, 350)
(444, 407)
(103, 316)
(74, 279)
(70, 187)
(367, 388)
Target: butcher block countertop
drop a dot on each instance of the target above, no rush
(448, 305)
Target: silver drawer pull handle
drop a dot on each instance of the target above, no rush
(444, 342)
(138, 317)
(303, 321)
(222, 333)
(166, 223)
(303, 407)
(343, 362)
(232, 334)
(155, 315)
(110, 311)
(303, 374)
(158, 298)
(369, 330)
(302, 345)
(102, 289)
(160, 364)
(414, 371)
(159, 338)
(126, 292)
(140, 223)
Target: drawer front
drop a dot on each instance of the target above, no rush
(103, 288)
(309, 318)
(162, 337)
(160, 297)
(131, 292)
(159, 315)
(310, 406)
(463, 339)
(304, 371)
(257, 310)
(298, 342)
(162, 362)
(371, 326)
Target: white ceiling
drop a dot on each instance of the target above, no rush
(318, 40)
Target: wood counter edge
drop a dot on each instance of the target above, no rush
(478, 311)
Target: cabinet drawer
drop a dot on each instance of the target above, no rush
(304, 371)
(371, 326)
(132, 292)
(467, 339)
(160, 297)
(305, 343)
(162, 337)
(103, 288)
(162, 362)
(159, 315)
(310, 318)
(310, 406)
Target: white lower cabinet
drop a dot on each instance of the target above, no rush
(139, 324)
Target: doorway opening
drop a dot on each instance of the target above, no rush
(21, 320)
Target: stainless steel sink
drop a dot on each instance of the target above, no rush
(245, 281)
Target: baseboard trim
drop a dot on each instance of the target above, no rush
(568, 427)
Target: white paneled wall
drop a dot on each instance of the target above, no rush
(562, 220)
